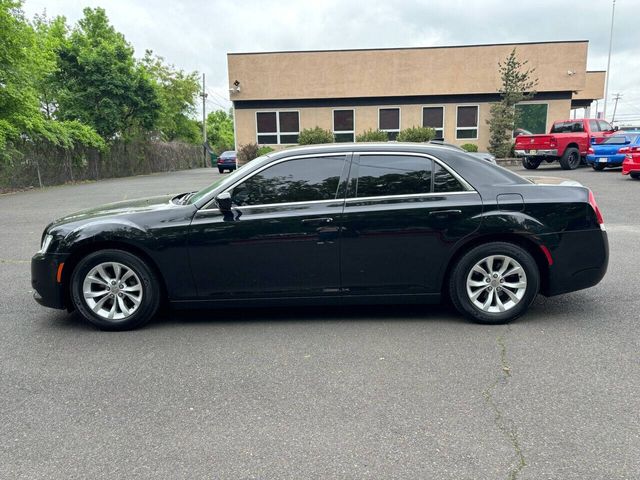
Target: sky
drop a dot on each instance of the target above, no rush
(197, 35)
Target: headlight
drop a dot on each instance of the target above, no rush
(46, 241)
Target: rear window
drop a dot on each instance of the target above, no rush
(228, 154)
(567, 127)
(620, 140)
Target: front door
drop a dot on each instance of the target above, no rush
(402, 216)
(281, 237)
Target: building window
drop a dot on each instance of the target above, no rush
(277, 127)
(532, 117)
(343, 125)
(467, 122)
(389, 121)
(433, 117)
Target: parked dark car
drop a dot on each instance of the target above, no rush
(339, 224)
(227, 161)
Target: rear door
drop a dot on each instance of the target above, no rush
(403, 214)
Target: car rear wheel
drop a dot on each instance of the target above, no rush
(220, 170)
(570, 159)
(635, 175)
(114, 290)
(598, 166)
(530, 163)
(494, 283)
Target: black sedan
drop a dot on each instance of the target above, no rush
(339, 224)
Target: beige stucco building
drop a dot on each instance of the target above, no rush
(277, 94)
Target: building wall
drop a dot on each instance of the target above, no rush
(366, 117)
(560, 66)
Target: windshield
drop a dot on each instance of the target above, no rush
(226, 180)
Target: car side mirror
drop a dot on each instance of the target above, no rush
(224, 202)
(615, 129)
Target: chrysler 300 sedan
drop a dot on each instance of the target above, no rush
(339, 224)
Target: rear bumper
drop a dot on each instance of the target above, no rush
(580, 260)
(609, 160)
(538, 153)
(631, 166)
(44, 271)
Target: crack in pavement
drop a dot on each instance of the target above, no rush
(505, 424)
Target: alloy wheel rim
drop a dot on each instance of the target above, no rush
(496, 284)
(112, 290)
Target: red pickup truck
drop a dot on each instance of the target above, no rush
(568, 142)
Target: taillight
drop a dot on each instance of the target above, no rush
(553, 142)
(590, 151)
(624, 150)
(596, 209)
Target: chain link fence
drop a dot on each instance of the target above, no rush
(40, 165)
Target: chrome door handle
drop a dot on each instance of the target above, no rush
(445, 213)
(317, 221)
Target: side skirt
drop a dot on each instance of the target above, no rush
(429, 298)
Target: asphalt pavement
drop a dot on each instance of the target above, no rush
(394, 392)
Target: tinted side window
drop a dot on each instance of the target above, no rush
(443, 181)
(594, 126)
(301, 180)
(380, 175)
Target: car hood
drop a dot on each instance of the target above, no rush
(117, 209)
(553, 181)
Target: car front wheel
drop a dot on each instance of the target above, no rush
(494, 283)
(114, 290)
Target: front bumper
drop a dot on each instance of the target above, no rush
(44, 279)
(537, 153)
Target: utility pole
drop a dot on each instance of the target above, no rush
(615, 106)
(204, 122)
(606, 81)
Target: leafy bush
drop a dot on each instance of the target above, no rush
(416, 134)
(312, 136)
(247, 152)
(264, 150)
(469, 147)
(373, 136)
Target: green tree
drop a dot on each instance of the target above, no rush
(27, 61)
(100, 83)
(177, 94)
(518, 84)
(220, 130)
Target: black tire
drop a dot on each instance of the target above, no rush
(598, 166)
(635, 176)
(462, 269)
(530, 163)
(150, 290)
(570, 159)
(220, 170)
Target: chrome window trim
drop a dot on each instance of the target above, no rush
(463, 182)
(408, 195)
(277, 162)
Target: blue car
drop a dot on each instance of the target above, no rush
(607, 153)
(227, 161)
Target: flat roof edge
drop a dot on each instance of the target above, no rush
(515, 44)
